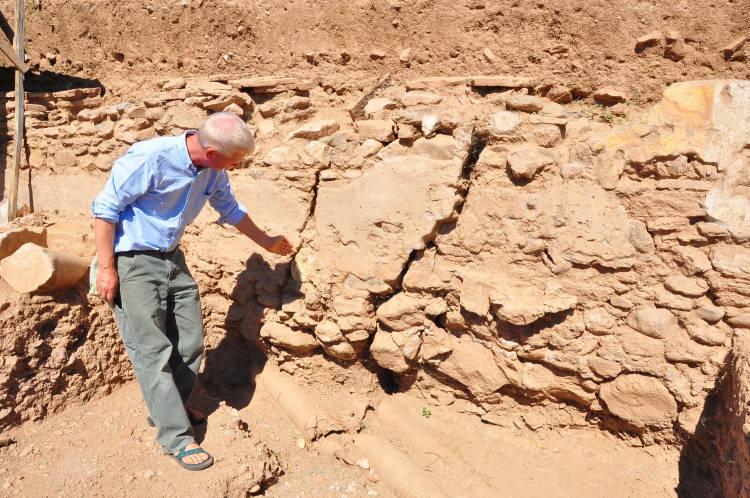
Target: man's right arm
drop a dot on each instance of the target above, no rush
(107, 279)
(130, 178)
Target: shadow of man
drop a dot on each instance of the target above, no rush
(231, 367)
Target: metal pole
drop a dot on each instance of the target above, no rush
(18, 41)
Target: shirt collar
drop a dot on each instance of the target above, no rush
(184, 151)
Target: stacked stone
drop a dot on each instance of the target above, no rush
(582, 266)
(77, 129)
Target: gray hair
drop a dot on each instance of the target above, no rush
(227, 133)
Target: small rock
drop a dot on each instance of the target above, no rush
(676, 51)
(728, 50)
(648, 40)
(740, 321)
(605, 369)
(376, 129)
(65, 159)
(525, 103)
(691, 287)
(560, 94)
(440, 147)
(666, 299)
(712, 230)
(341, 350)
(545, 135)
(534, 420)
(689, 419)
(504, 122)
(420, 97)
(710, 313)
(490, 158)
(706, 334)
(527, 160)
(571, 170)
(379, 104)
(621, 302)
(672, 36)
(363, 464)
(609, 96)
(652, 322)
(315, 130)
(284, 337)
(407, 132)
(266, 126)
(640, 400)
(175, 84)
(488, 55)
(234, 109)
(598, 321)
(405, 56)
(328, 332)
(495, 418)
(301, 443)
(377, 55)
(149, 474)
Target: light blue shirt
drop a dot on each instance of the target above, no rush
(155, 191)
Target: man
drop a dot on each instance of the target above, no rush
(154, 191)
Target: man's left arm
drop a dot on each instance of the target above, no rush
(222, 200)
(276, 244)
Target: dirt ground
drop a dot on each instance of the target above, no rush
(105, 448)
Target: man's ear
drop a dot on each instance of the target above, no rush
(210, 152)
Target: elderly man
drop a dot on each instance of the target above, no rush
(153, 193)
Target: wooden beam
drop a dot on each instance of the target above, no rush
(10, 54)
(20, 111)
(357, 110)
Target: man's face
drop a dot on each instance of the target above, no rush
(217, 160)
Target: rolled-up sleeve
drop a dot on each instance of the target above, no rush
(132, 176)
(222, 200)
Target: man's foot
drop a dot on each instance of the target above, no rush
(193, 457)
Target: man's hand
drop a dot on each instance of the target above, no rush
(107, 282)
(107, 279)
(279, 245)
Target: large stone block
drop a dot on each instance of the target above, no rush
(643, 401)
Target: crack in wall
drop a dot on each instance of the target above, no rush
(476, 146)
(310, 215)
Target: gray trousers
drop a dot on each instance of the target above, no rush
(159, 313)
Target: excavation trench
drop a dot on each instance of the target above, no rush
(558, 300)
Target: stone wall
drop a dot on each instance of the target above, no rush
(81, 130)
(477, 241)
(567, 262)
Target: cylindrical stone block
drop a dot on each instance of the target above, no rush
(37, 269)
